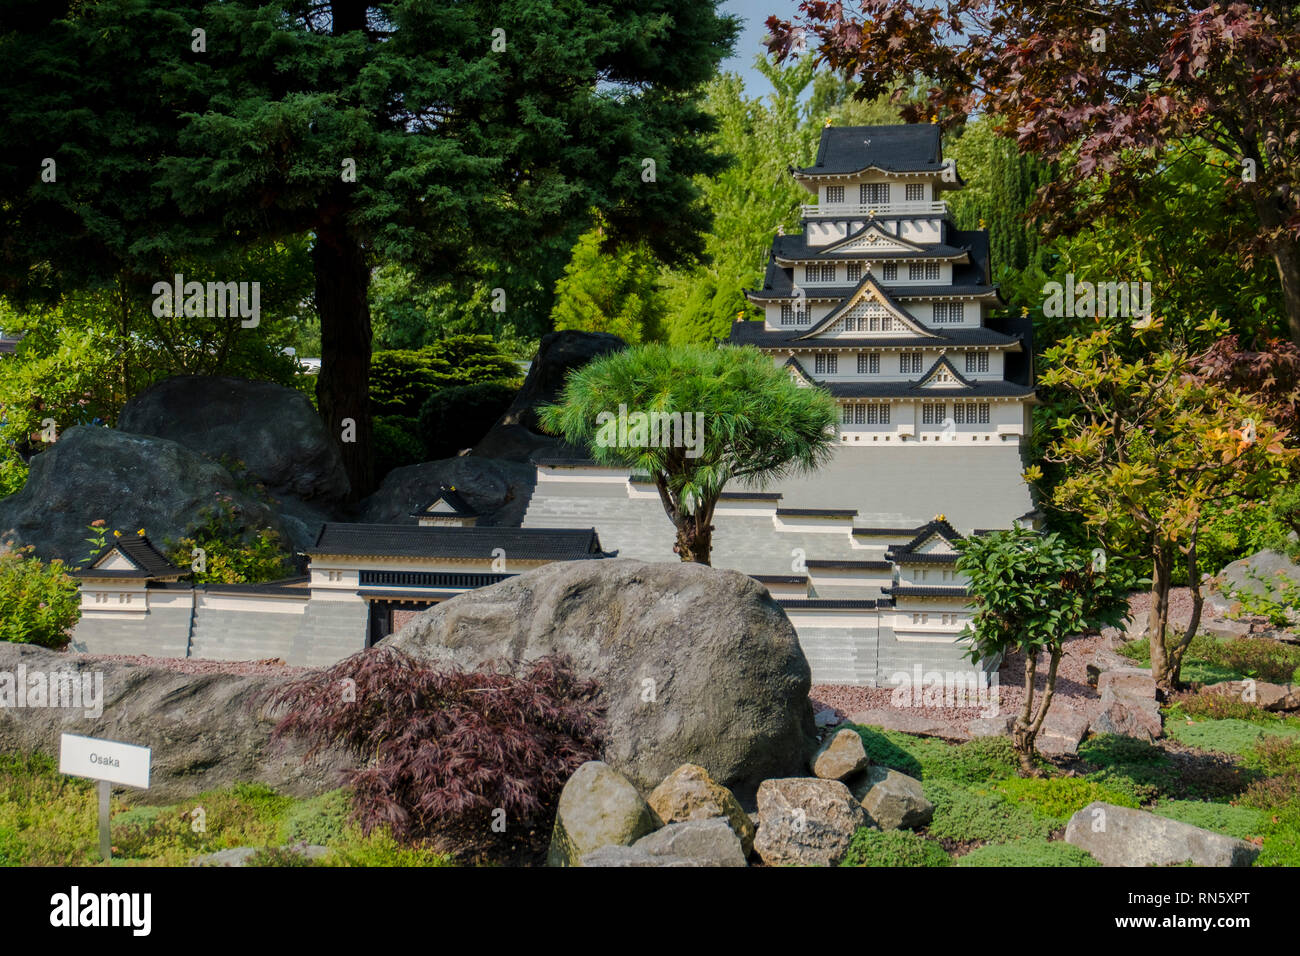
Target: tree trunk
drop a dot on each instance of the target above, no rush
(1158, 620)
(695, 536)
(1023, 731)
(1198, 601)
(343, 387)
(1273, 214)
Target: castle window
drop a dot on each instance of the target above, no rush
(825, 364)
(909, 363)
(868, 363)
(949, 312)
(959, 414)
(915, 192)
(853, 271)
(820, 272)
(873, 194)
(788, 314)
(927, 271)
(983, 412)
(932, 414)
(835, 194)
(977, 361)
(889, 272)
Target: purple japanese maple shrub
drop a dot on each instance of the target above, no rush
(444, 751)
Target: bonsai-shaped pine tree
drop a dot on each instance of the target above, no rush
(1031, 592)
(743, 419)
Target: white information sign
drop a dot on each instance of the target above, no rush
(108, 760)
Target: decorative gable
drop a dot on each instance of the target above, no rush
(942, 375)
(867, 302)
(115, 560)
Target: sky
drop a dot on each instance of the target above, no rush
(749, 43)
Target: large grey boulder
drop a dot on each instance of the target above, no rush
(598, 807)
(205, 731)
(498, 490)
(1120, 836)
(713, 842)
(689, 793)
(696, 664)
(516, 435)
(130, 481)
(803, 821)
(1254, 575)
(893, 800)
(636, 856)
(1272, 697)
(1128, 705)
(273, 430)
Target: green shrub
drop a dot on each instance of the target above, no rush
(965, 815)
(1259, 657)
(982, 759)
(46, 818)
(380, 848)
(893, 848)
(1217, 705)
(1240, 822)
(39, 603)
(457, 417)
(1028, 852)
(245, 814)
(401, 380)
(396, 444)
(1059, 798)
(233, 552)
(1275, 756)
(1224, 736)
(322, 820)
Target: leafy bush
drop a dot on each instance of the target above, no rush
(401, 380)
(1224, 736)
(39, 603)
(964, 815)
(1059, 798)
(893, 848)
(322, 820)
(396, 444)
(46, 819)
(233, 553)
(456, 418)
(246, 814)
(1028, 852)
(442, 748)
(1240, 822)
(280, 856)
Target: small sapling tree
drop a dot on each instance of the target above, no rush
(1032, 591)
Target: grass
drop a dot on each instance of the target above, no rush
(1232, 736)
(1210, 660)
(47, 819)
(1031, 851)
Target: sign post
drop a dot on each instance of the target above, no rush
(108, 762)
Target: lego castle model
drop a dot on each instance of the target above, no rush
(882, 301)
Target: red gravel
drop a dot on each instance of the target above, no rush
(194, 665)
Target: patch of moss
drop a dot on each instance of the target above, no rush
(1027, 852)
(1240, 822)
(963, 814)
(1225, 736)
(1059, 798)
(893, 848)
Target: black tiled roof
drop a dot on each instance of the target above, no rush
(139, 550)
(831, 564)
(527, 544)
(904, 553)
(911, 590)
(910, 532)
(752, 495)
(830, 604)
(922, 557)
(796, 247)
(911, 147)
(288, 587)
(780, 578)
(817, 512)
(753, 333)
(994, 389)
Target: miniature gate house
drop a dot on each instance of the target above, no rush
(881, 301)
